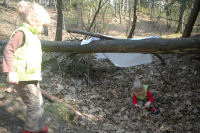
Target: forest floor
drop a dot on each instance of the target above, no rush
(100, 92)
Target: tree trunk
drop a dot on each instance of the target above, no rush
(161, 46)
(192, 18)
(125, 7)
(59, 21)
(167, 15)
(182, 9)
(131, 34)
(103, 21)
(45, 3)
(129, 10)
(120, 12)
(138, 7)
(115, 8)
(152, 8)
(6, 3)
(79, 13)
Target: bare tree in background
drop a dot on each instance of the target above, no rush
(120, 12)
(191, 20)
(152, 8)
(96, 13)
(59, 21)
(6, 3)
(129, 10)
(131, 34)
(125, 7)
(182, 9)
(115, 8)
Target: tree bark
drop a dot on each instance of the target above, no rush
(187, 45)
(191, 20)
(168, 12)
(79, 13)
(59, 21)
(120, 12)
(125, 7)
(161, 46)
(129, 10)
(134, 20)
(115, 8)
(152, 8)
(6, 3)
(182, 9)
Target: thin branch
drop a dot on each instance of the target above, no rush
(101, 36)
(160, 58)
(95, 15)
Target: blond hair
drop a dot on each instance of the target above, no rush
(137, 84)
(33, 12)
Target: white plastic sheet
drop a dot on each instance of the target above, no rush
(127, 59)
(124, 59)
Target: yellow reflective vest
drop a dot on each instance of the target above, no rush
(28, 57)
(144, 96)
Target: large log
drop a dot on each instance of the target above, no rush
(160, 45)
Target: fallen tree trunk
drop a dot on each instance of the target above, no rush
(105, 37)
(161, 46)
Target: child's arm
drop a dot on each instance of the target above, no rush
(150, 97)
(9, 50)
(134, 99)
(11, 47)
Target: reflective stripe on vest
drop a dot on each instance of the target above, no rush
(28, 57)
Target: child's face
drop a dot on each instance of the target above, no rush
(36, 24)
(139, 91)
(39, 27)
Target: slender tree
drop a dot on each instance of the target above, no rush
(182, 10)
(6, 3)
(129, 10)
(125, 7)
(134, 20)
(152, 8)
(59, 26)
(115, 8)
(191, 20)
(79, 5)
(120, 12)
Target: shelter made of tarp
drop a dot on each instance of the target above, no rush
(123, 59)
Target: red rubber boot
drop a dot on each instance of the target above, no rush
(44, 130)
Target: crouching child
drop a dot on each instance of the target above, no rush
(141, 96)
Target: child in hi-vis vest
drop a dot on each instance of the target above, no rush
(141, 96)
(22, 63)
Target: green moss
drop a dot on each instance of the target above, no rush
(61, 111)
(3, 85)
